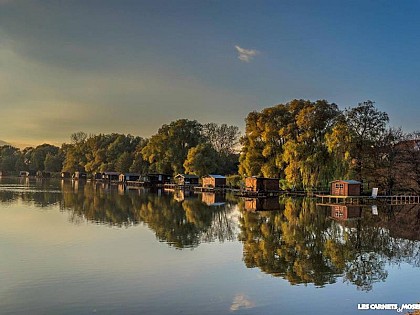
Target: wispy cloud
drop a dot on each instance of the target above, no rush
(246, 55)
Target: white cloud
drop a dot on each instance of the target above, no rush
(246, 55)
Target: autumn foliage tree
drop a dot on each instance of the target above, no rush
(288, 141)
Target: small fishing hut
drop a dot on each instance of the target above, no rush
(157, 179)
(65, 175)
(79, 175)
(111, 176)
(129, 177)
(187, 180)
(214, 181)
(43, 174)
(262, 184)
(98, 176)
(27, 173)
(346, 188)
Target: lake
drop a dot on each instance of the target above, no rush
(84, 248)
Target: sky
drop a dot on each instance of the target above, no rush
(103, 66)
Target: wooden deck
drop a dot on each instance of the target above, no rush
(393, 200)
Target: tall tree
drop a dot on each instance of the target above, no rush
(366, 126)
(9, 157)
(167, 150)
(225, 140)
(201, 160)
(39, 154)
(289, 141)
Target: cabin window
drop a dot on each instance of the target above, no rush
(339, 186)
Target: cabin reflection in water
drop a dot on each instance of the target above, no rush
(180, 195)
(346, 212)
(262, 204)
(212, 199)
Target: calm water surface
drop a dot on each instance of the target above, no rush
(74, 248)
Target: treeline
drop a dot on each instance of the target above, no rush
(305, 144)
(44, 157)
(181, 146)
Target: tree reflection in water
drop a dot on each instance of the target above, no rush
(301, 242)
(304, 244)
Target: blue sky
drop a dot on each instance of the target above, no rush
(130, 66)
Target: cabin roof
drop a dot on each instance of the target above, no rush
(216, 176)
(186, 176)
(157, 174)
(111, 173)
(348, 181)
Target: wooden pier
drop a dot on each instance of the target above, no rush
(393, 200)
(214, 189)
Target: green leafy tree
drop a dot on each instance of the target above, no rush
(9, 157)
(225, 140)
(53, 162)
(201, 160)
(288, 141)
(366, 126)
(124, 162)
(37, 156)
(167, 150)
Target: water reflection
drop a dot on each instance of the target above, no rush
(306, 243)
(181, 219)
(299, 241)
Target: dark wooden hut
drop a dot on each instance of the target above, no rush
(111, 176)
(346, 188)
(129, 177)
(65, 175)
(98, 176)
(187, 180)
(262, 184)
(214, 181)
(43, 174)
(157, 179)
(27, 173)
(79, 175)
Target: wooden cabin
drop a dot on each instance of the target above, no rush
(129, 177)
(43, 174)
(27, 173)
(346, 212)
(157, 179)
(262, 184)
(111, 176)
(79, 175)
(346, 188)
(65, 175)
(187, 180)
(214, 181)
(98, 176)
(262, 204)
